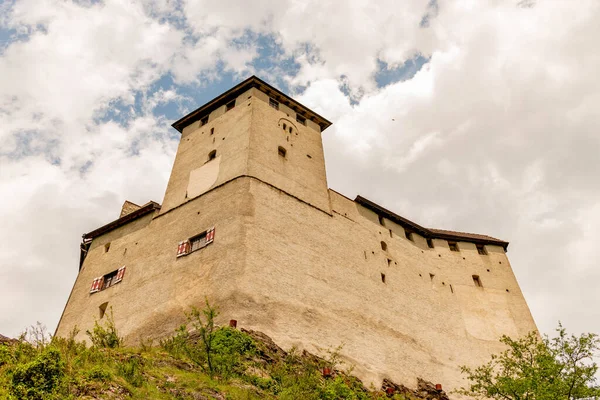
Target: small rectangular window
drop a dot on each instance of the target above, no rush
(230, 105)
(204, 121)
(481, 250)
(196, 243)
(409, 235)
(274, 103)
(383, 277)
(301, 119)
(281, 151)
(108, 280)
(430, 243)
(453, 246)
(381, 222)
(477, 281)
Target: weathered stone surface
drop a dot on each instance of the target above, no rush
(299, 262)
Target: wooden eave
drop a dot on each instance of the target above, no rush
(148, 208)
(427, 232)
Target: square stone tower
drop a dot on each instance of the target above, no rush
(248, 222)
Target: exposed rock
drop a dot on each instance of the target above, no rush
(271, 352)
(425, 390)
(7, 340)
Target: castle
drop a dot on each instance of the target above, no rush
(248, 222)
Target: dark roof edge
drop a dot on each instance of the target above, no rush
(425, 232)
(149, 207)
(235, 91)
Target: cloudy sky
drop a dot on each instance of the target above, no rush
(472, 115)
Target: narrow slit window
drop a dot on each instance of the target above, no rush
(481, 250)
(391, 234)
(102, 309)
(477, 281)
(381, 222)
(290, 129)
(453, 246)
(382, 277)
(431, 276)
(212, 155)
(106, 247)
(281, 151)
(230, 105)
(384, 246)
(274, 103)
(284, 127)
(409, 235)
(204, 121)
(430, 243)
(301, 119)
(389, 262)
(212, 131)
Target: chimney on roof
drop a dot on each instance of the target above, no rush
(128, 208)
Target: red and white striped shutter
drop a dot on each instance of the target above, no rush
(96, 285)
(120, 274)
(183, 248)
(210, 235)
(94, 289)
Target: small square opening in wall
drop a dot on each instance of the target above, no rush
(382, 277)
(230, 105)
(430, 243)
(204, 121)
(409, 235)
(274, 103)
(212, 155)
(477, 281)
(301, 119)
(453, 246)
(281, 151)
(481, 250)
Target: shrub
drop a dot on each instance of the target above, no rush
(132, 370)
(38, 378)
(97, 373)
(105, 336)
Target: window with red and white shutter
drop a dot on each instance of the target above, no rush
(108, 280)
(196, 243)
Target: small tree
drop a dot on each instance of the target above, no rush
(203, 321)
(538, 369)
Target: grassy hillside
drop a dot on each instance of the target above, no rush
(209, 363)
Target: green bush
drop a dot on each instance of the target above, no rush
(39, 378)
(6, 356)
(105, 336)
(98, 373)
(132, 370)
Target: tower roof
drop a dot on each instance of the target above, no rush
(252, 82)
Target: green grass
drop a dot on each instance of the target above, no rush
(221, 363)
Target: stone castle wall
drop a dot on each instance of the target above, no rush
(297, 261)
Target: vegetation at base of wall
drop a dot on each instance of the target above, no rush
(538, 368)
(205, 362)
